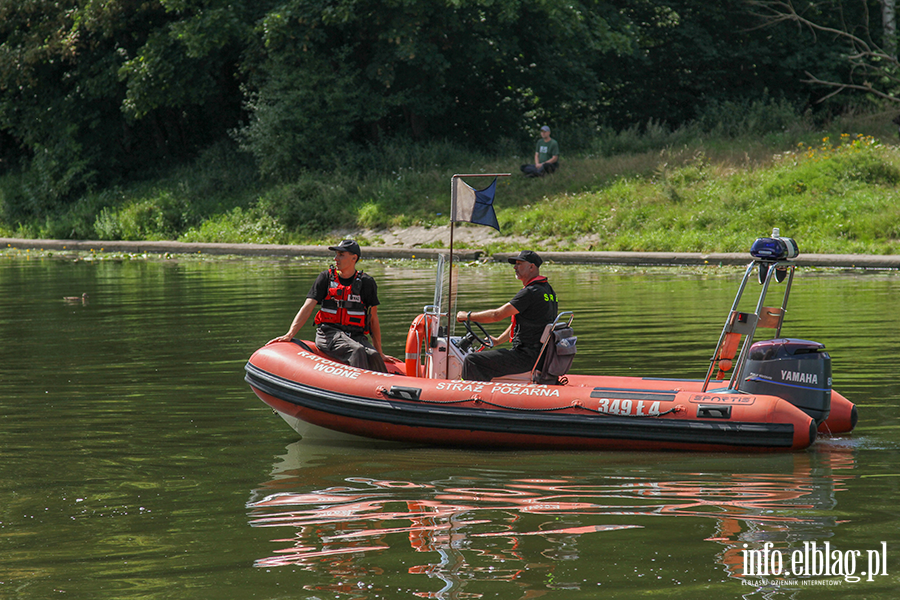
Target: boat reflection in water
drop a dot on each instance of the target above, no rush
(490, 522)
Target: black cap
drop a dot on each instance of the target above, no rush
(346, 246)
(527, 256)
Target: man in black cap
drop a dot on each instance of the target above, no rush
(349, 311)
(531, 309)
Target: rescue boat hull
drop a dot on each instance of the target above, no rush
(591, 412)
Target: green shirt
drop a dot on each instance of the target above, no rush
(546, 150)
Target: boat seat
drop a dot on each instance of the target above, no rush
(557, 350)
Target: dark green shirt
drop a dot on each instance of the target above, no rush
(546, 151)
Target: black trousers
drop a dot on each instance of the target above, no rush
(533, 171)
(352, 348)
(484, 366)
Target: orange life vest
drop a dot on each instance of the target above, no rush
(343, 304)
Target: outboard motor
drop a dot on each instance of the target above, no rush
(797, 370)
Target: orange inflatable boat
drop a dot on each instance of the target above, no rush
(771, 395)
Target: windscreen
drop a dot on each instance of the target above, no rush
(445, 287)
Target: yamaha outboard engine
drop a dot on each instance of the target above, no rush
(797, 370)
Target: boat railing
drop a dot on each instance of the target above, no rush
(740, 324)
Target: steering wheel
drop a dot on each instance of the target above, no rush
(485, 340)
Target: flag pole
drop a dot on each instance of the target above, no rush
(451, 316)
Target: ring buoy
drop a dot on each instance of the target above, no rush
(414, 339)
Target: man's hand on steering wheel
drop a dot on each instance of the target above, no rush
(485, 340)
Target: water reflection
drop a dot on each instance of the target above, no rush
(487, 522)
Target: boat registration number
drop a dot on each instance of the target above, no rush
(628, 408)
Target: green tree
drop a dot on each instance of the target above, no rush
(325, 72)
(862, 33)
(694, 54)
(91, 91)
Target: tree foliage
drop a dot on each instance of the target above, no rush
(91, 90)
(862, 34)
(94, 90)
(329, 71)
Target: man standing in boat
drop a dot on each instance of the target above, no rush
(531, 309)
(349, 312)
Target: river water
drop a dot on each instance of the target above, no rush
(136, 463)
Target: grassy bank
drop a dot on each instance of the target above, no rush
(703, 189)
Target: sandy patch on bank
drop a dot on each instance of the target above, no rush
(464, 235)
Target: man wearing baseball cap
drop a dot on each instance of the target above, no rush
(546, 156)
(349, 311)
(531, 309)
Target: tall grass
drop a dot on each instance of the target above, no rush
(737, 171)
(838, 196)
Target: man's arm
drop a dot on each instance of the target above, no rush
(505, 336)
(375, 329)
(488, 316)
(299, 321)
(554, 153)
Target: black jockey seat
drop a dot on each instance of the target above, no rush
(557, 350)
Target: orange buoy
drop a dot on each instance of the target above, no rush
(414, 338)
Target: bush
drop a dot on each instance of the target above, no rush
(309, 206)
(654, 135)
(373, 216)
(239, 226)
(754, 117)
(302, 112)
(159, 218)
(399, 154)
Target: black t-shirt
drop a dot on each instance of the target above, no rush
(537, 306)
(369, 291)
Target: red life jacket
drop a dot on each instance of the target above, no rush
(343, 304)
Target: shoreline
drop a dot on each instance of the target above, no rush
(851, 261)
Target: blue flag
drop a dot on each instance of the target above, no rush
(474, 206)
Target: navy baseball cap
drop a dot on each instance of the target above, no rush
(545, 128)
(347, 246)
(527, 256)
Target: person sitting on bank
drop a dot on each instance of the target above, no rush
(349, 311)
(531, 309)
(546, 156)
